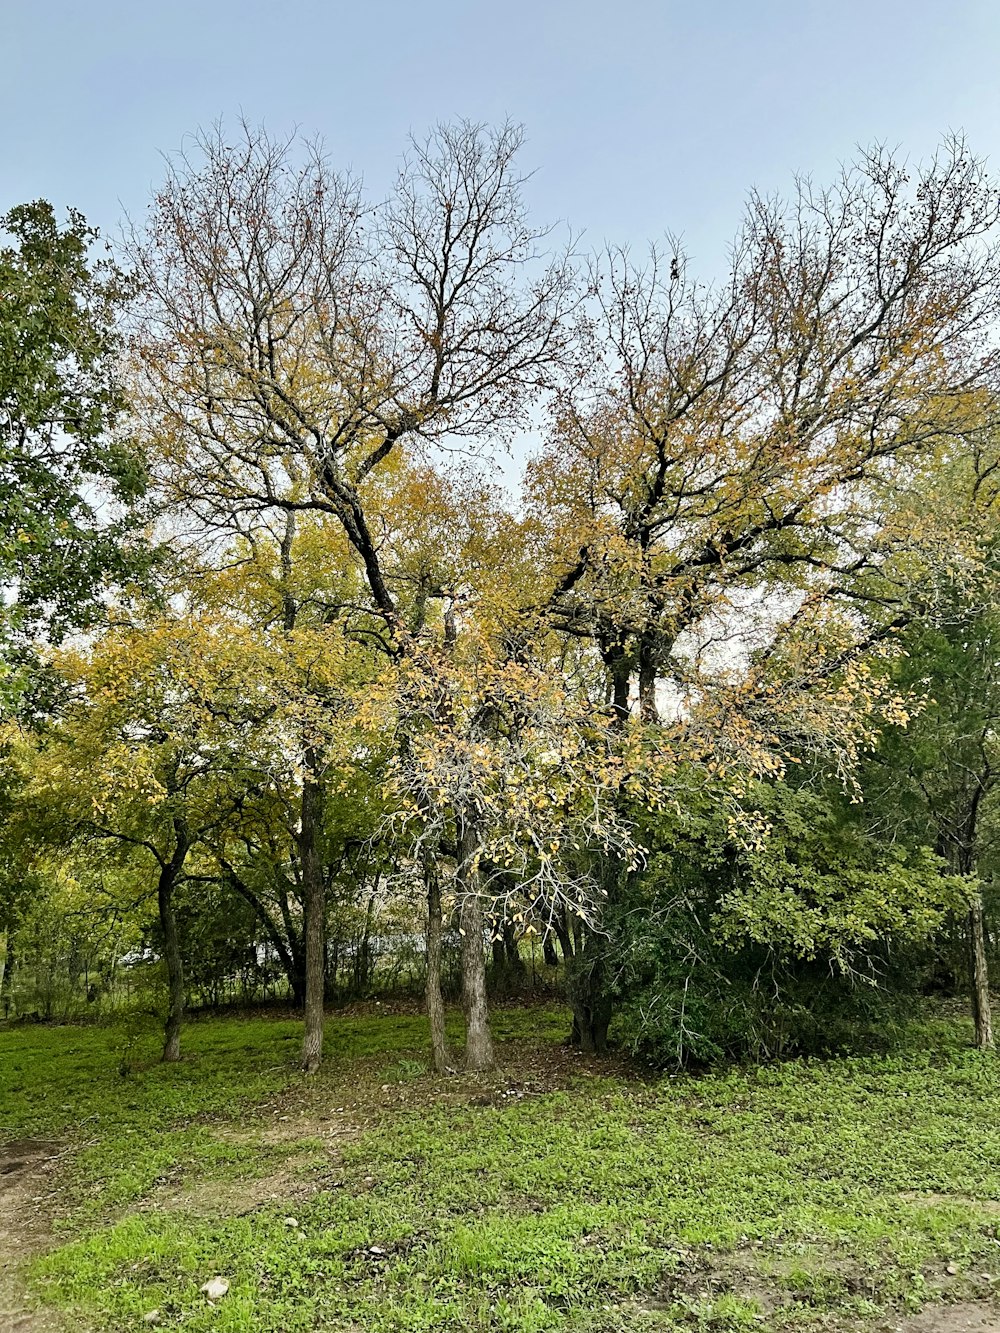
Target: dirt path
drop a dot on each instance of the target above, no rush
(25, 1173)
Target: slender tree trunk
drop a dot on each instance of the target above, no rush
(435, 931)
(7, 996)
(979, 976)
(314, 908)
(565, 938)
(588, 997)
(363, 957)
(278, 941)
(587, 973)
(167, 882)
(512, 954)
(648, 710)
(478, 1041)
(308, 953)
(296, 947)
(619, 689)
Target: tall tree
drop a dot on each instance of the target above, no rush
(714, 496)
(937, 781)
(728, 444)
(294, 338)
(67, 476)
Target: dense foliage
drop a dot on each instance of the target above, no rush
(699, 724)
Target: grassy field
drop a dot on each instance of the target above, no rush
(562, 1194)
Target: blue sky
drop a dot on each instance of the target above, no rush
(642, 117)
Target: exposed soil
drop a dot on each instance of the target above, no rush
(26, 1167)
(968, 1317)
(928, 1200)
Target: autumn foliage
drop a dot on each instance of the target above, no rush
(585, 712)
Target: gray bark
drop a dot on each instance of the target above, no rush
(478, 1041)
(979, 977)
(314, 906)
(434, 997)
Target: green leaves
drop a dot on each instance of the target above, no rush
(67, 483)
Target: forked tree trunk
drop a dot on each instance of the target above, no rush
(563, 934)
(619, 688)
(166, 883)
(512, 950)
(507, 960)
(478, 1041)
(435, 999)
(588, 973)
(979, 976)
(314, 908)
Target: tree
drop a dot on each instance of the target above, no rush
(294, 339)
(724, 944)
(166, 726)
(738, 443)
(714, 496)
(62, 462)
(937, 781)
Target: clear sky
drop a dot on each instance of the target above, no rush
(642, 116)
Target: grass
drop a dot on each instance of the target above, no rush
(564, 1195)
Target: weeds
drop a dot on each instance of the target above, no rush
(564, 1195)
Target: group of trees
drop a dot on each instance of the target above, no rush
(709, 703)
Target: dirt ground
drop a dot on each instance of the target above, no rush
(26, 1185)
(969, 1317)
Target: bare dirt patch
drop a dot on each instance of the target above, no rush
(309, 1126)
(26, 1167)
(967, 1317)
(810, 1286)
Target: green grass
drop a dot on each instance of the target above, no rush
(562, 1196)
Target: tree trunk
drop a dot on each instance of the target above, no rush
(565, 938)
(478, 1041)
(291, 969)
(296, 947)
(619, 689)
(648, 710)
(589, 1000)
(167, 882)
(363, 956)
(590, 1027)
(513, 954)
(979, 976)
(314, 907)
(435, 1000)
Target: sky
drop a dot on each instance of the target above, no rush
(642, 116)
